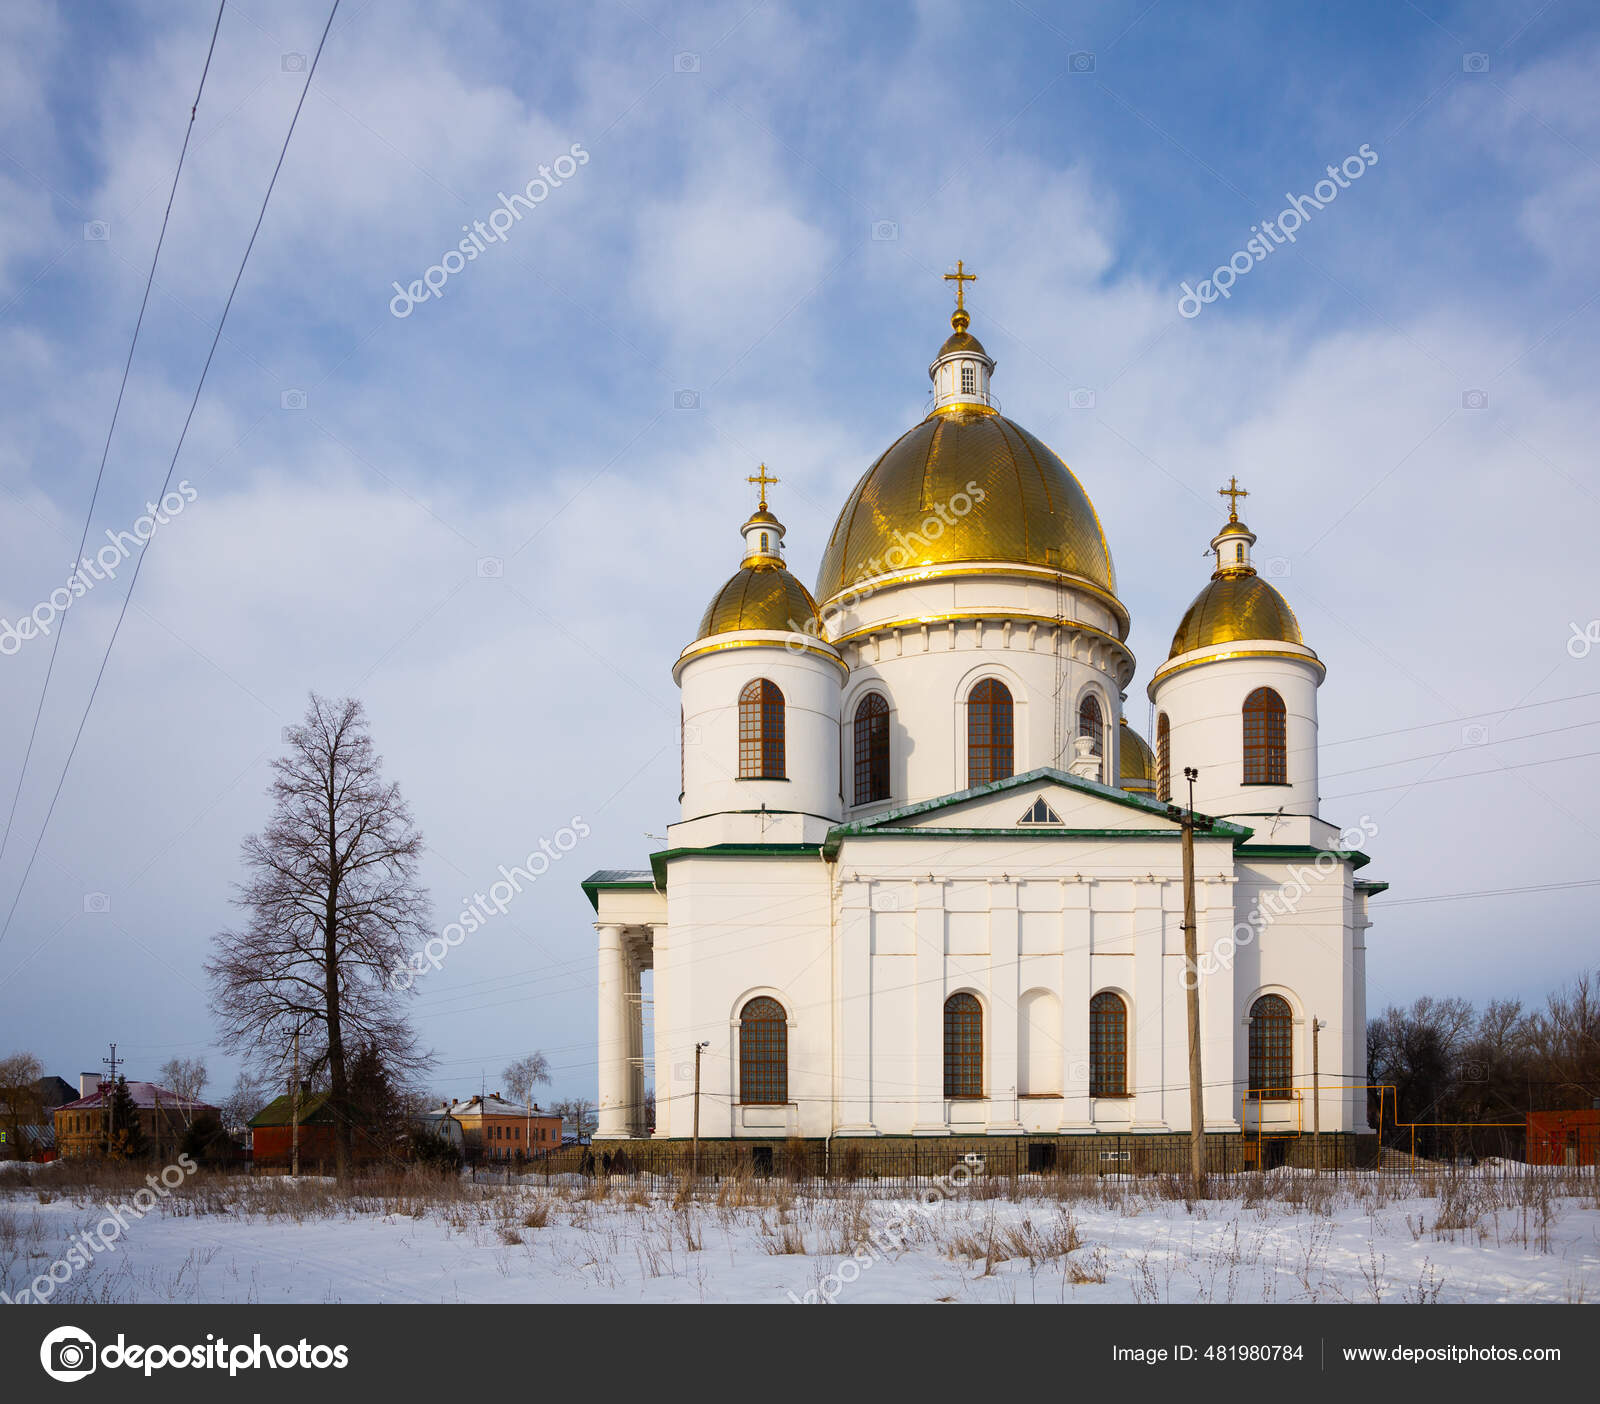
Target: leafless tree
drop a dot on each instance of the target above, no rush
(334, 913)
(577, 1114)
(523, 1075)
(20, 1102)
(249, 1095)
(187, 1078)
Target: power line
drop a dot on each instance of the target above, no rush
(139, 561)
(1465, 775)
(116, 409)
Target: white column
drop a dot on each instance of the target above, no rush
(929, 1007)
(1076, 991)
(1219, 1019)
(635, 1048)
(614, 1040)
(661, 1031)
(1150, 1001)
(1000, 1051)
(854, 1112)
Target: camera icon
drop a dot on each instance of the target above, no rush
(885, 231)
(1475, 734)
(286, 735)
(96, 231)
(686, 400)
(1081, 399)
(490, 567)
(1474, 399)
(68, 1354)
(1474, 63)
(1081, 63)
(689, 735)
(293, 63)
(683, 1072)
(1474, 1070)
(292, 399)
(1276, 566)
(97, 903)
(686, 63)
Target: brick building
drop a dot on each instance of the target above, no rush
(163, 1117)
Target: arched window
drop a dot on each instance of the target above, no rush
(1163, 759)
(761, 731)
(1108, 1045)
(1092, 724)
(969, 378)
(1265, 756)
(989, 733)
(1271, 1049)
(963, 1046)
(872, 749)
(763, 1053)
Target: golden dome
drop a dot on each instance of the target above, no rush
(1032, 511)
(1138, 763)
(1236, 606)
(761, 596)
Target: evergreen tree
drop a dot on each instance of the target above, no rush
(127, 1141)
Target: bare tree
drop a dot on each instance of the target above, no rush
(334, 910)
(523, 1075)
(187, 1078)
(576, 1113)
(249, 1095)
(20, 1101)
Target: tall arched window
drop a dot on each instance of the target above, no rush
(969, 378)
(1163, 759)
(872, 749)
(763, 1053)
(963, 1046)
(1091, 723)
(989, 733)
(1265, 756)
(1271, 1049)
(761, 731)
(1108, 1045)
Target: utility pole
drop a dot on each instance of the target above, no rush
(694, 1156)
(1317, 1027)
(109, 1099)
(294, 1110)
(1197, 1122)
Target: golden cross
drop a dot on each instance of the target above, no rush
(765, 482)
(1233, 492)
(961, 278)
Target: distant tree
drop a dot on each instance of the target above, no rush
(121, 1132)
(523, 1075)
(249, 1095)
(334, 911)
(1564, 1043)
(187, 1078)
(650, 1111)
(379, 1108)
(20, 1102)
(206, 1140)
(577, 1116)
(434, 1152)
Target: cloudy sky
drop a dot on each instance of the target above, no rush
(495, 521)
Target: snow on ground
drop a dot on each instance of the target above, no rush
(1281, 1237)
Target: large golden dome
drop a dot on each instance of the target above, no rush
(1032, 511)
(760, 596)
(1235, 607)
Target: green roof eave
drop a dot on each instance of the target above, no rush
(1371, 888)
(1289, 852)
(659, 861)
(592, 888)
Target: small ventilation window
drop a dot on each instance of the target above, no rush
(1040, 813)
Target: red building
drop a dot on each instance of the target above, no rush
(272, 1134)
(1564, 1137)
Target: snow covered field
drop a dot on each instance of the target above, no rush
(1281, 1237)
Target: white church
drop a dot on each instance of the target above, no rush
(927, 878)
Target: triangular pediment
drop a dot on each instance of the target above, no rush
(1038, 803)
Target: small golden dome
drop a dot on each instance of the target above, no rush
(1138, 764)
(761, 596)
(1032, 510)
(1235, 607)
(962, 340)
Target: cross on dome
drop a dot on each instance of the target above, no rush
(1233, 492)
(765, 481)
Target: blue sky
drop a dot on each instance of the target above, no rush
(720, 241)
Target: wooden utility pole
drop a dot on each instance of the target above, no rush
(1197, 1121)
(294, 1110)
(109, 1100)
(1316, 1095)
(694, 1155)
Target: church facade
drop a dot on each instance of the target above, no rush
(927, 879)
